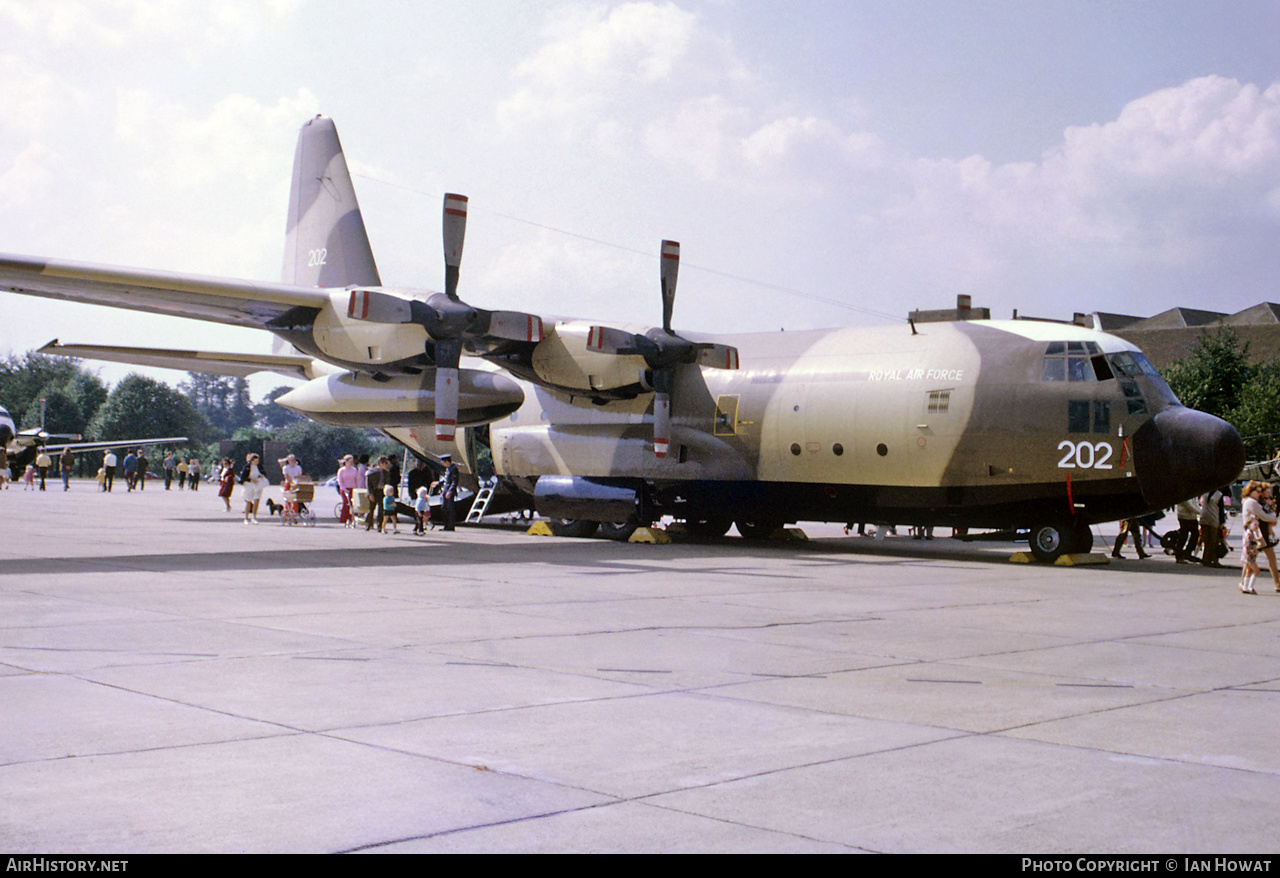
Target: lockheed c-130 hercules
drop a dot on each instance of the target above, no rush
(1000, 424)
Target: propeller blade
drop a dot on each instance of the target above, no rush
(718, 356)
(455, 232)
(447, 355)
(376, 307)
(515, 325)
(446, 403)
(669, 271)
(448, 352)
(661, 423)
(611, 341)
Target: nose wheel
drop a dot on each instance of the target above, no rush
(1050, 540)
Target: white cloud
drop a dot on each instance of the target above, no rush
(30, 98)
(23, 183)
(1182, 178)
(544, 273)
(127, 24)
(600, 66)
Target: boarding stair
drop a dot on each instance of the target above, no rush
(481, 502)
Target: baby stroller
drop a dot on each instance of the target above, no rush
(296, 499)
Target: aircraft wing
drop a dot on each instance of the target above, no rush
(234, 302)
(238, 365)
(122, 443)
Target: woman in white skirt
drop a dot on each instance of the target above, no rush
(255, 484)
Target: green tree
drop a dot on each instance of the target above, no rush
(318, 447)
(88, 392)
(1212, 377)
(268, 414)
(1257, 417)
(223, 400)
(140, 408)
(61, 413)
(23, 379)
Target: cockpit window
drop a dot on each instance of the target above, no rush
(1125, 365)
(1157, 380)
(1068, 361)
(1133, 397)
(1132, 364)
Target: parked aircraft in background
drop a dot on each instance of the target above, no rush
(969, 423)
(23, 446)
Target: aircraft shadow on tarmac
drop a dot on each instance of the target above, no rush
(606, 557)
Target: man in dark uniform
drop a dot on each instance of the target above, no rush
(449, 490)
(419, 477)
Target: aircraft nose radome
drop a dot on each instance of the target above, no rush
(1182, 452)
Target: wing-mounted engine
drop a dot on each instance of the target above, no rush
(567, 361)
(447, 324)
(664, 352)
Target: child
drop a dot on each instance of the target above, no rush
(1249, 555)
(422, 511)
(29, 477)
(389, 509)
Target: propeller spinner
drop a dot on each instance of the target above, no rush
(663, 351)
(448, 320)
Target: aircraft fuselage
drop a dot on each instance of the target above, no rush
(966, 423)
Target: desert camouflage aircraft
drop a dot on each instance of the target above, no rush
(1024, 424)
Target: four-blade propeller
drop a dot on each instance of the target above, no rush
(663, 351)
(448, 320)
(451, 323)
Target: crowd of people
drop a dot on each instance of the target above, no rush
(369, 491)
(1202, 529)
(382, 507)
(135, 468)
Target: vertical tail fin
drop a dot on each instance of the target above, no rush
(325, 240)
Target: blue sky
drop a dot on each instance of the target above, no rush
(823, 164)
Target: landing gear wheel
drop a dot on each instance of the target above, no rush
(757, 527)
(1050, 540)
(707, 528)
(568, 527)
(1081, 539)
(620, 531)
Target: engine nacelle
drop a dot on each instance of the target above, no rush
(348, 332)
(563, 359)
(353, 399)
